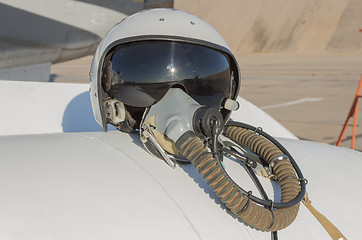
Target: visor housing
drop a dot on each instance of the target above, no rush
(140, 73)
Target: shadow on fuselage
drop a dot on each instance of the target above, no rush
(78, 116)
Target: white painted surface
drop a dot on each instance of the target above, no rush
(92, 185)
(33, 108)
(105, 185)
(252, 115)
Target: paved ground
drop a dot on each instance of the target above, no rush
(311, 96)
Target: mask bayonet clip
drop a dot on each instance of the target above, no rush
(248, 158)
(148, 134)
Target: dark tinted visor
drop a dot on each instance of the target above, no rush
(140, 73)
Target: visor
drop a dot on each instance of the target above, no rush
(140, 73)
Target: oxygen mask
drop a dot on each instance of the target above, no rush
(178, 128)
(174, 116)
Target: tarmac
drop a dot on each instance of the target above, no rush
(310, 95)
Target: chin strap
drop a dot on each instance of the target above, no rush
(328, 226)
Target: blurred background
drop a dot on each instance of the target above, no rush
(301, 61)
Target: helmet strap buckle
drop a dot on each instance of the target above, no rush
(114, 111)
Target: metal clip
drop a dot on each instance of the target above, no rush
(148, 134)
(268, 173)
(247, 157)
(278, 158)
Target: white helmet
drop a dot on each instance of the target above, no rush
(151, 51)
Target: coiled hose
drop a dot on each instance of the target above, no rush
(235, 198)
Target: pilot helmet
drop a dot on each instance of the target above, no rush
(151, 51)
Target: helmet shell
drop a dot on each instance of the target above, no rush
(154, 24)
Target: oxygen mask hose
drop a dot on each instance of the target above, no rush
(237, 200)
(188, 127)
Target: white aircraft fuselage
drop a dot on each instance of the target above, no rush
(35, 34)
(60, 178)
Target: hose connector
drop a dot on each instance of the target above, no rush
(277, 159)
(175, 114)
(206, 120)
